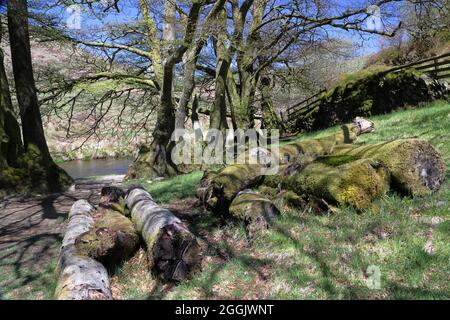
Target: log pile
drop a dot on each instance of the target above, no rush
(332, 170)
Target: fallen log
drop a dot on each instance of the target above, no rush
(415, 165)
(173, 251)
(343, 182)
(324, 146)
(80, 277)
(255, 210)
(111, 240)
(218, 188)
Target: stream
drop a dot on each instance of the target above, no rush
(96, 167)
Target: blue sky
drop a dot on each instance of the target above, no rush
(367, 43)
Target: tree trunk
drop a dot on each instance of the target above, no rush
(33, 132)
(51, 177)
(270, 119)
(415, 165)
(218, 189)
(173, 251)
(218, 115)
(255, 210)
(111, 240)
(10, 140)
(155, 161)
(80, 277)
(337, 180)
(188, 86)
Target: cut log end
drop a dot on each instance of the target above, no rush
(430, 169)
(176, 253)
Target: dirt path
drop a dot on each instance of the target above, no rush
(31, 230)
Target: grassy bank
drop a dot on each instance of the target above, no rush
(307, 256)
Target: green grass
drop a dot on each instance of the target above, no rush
(179, 187)
(308, 256)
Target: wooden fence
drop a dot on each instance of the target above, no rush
(437, 67)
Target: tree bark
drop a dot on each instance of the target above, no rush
(10, 139)
(111, 239)
(46, 175)
(338, 180)
(188, 87)
(255, 210)
(32, 129)
(270, 119)
(218, 115)
(416, 167)
(80, 277)
(173, 251)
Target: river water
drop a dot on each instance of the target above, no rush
(96, 167)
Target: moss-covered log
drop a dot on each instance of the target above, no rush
(218, 188)
(80, 277)
(112, 239)
(173, 250)
(415, 165)
(337, 181)
(326, 145)
(255, 210)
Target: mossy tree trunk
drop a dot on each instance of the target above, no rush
(270, 118)
(342, 181)
(53, 178)
(218, 188)
(218, 115)
(173, 251)
(11, 145)
(33, 132)
(80, 277)
(155, 160)
(111, 239)
(416, 167)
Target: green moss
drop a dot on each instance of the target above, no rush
(335, 161)
(293, 199)
(416, 166)
(355, 184)
(369, 92)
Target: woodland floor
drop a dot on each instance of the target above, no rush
(303, 256)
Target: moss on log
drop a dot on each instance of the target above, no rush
(415, 165)
(173, 251)
(218, 189)
(111, 240)
(255, 210)
(80, 277)
(318, 147)
(356, 183)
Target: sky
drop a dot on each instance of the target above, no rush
(366, 44)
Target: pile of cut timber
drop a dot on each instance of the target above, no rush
(98, 240)
(331, 169)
